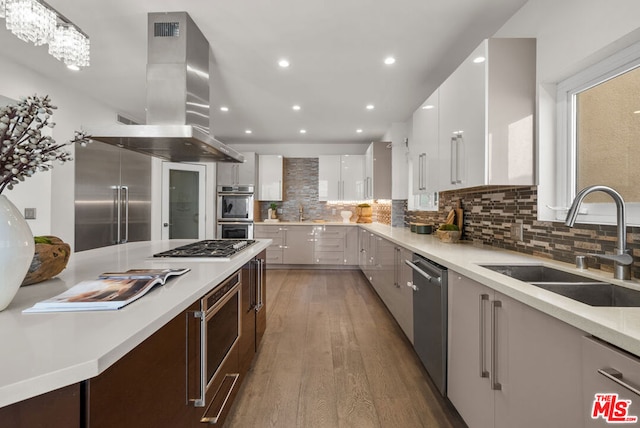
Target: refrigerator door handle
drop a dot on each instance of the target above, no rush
(126, 214)
(118, 213)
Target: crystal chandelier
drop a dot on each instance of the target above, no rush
(37, 22)
(30, 21)
(70, 46)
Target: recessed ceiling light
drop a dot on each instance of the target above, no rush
(389, 60)
(359, 131)
(248, 131)
(284, 63)
(427, 107)
(224, 108)
(636, 112)
(479, 59)
(296, 107)
(370, 106)
(303, 131)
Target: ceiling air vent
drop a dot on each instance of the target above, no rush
(166, 29)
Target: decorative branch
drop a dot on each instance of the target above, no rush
(23, 148)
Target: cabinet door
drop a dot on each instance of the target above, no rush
(352, 177)
(351, 246)
(538, 369)
(270, 170)
(298, 244)
(329, 181)
(226, 173)
(424, 150)
(468, 385)
(246, 172)
(463, 123)
(600, 359)
(363, 250)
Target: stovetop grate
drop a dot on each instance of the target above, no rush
(218, 248)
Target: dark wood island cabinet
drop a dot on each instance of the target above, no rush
(153, 384)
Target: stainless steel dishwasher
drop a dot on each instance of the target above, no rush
(430, 317)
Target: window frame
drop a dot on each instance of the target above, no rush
(566, 153)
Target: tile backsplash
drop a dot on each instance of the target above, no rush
(300, 187)
(490, 212)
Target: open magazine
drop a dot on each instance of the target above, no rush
(112, 290)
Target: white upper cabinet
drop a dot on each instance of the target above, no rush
(352, 176)
(238, 173)
(423, 146)
(329, 181)
(270, 171)
(377, 171)
(486, 117)
(341, 178)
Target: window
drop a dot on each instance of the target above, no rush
(599, 138)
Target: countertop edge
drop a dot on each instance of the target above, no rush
(606, 323)
(78, 369)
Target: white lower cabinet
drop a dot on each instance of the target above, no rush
(614, 376)
(275, 233)
(510, 365)
(297, 247)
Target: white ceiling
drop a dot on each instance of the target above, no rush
(336, 49)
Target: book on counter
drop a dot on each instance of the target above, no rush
(111, 291)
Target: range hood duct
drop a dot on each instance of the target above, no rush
(178, 119)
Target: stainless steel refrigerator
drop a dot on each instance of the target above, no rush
(112, 196)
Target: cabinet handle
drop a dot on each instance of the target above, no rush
(220, 403)
(423, 273)
(616, 376)
(195, 367)
(495, 385)
(483, 372)
(454, 160)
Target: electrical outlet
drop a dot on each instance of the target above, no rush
(30, 213)
(517, 231)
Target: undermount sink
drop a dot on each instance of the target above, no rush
(577, 287)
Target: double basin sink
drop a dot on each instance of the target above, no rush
(580, 288)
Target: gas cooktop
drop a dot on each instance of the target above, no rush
(213, 248)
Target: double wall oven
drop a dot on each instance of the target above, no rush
(235, 212)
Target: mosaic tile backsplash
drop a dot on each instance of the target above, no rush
(489, 213)
(300, 186)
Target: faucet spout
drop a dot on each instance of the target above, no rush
(622, 258)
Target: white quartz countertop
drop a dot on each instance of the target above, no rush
(307, 223)
(619, 326)
(45, 351)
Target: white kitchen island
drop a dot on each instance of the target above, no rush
(46, 351)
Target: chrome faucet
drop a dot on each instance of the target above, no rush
(301, 213)
(622, 259)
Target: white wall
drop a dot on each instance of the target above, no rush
(51, 193)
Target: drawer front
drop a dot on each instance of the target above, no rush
(274, 255)
(600, 359)
(329, 258)
(329, 244)
(267, 232)
(337, 232)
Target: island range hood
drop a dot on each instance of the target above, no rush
(178, 119)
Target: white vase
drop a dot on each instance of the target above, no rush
(16, 250)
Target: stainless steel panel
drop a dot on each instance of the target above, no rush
(99, 173)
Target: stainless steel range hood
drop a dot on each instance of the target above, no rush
(178, 119)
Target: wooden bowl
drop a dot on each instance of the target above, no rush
(48, 261)
(448, 235)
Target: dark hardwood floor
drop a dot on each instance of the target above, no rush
(333, 356)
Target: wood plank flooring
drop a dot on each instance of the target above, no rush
(333, 356)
